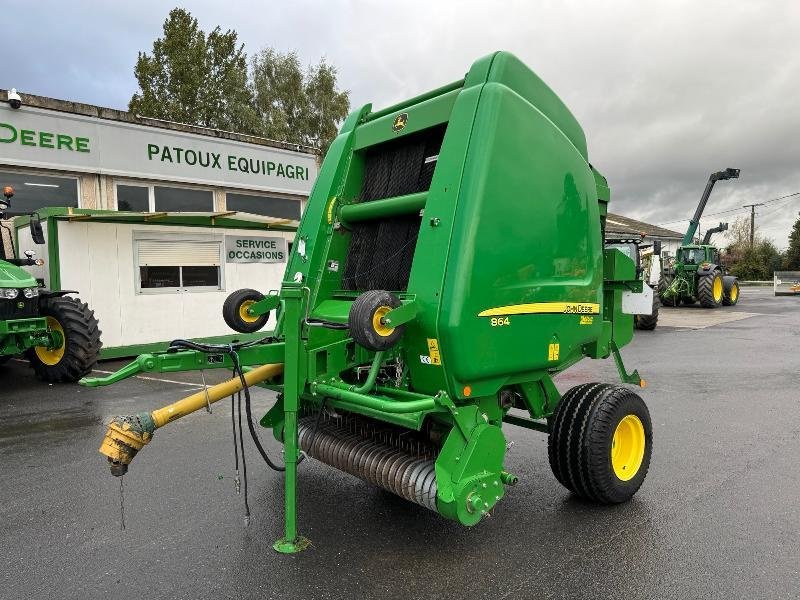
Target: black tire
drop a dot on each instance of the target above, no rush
(364, 320)
(5, 358)
(689, 301)
(581, 442)
(648, 322)
(709, 290)
(81, 345)
(233, 311)
(665, 282)
(730, 291)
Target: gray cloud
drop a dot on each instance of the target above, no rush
(667, 91)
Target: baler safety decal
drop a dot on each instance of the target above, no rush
(537, 308)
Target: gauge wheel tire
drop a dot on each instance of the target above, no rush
(80, 347)
(600, 442)
(730, 293)
(710, 290)
(648, 322)
(662, 287)
(234, 311)
(365, 318)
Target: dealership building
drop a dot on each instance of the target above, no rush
(154, 223)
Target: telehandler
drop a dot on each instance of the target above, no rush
(449, 264)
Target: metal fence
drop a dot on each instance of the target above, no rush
(786, 283)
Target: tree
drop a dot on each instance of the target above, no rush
(750, 263)
(195, 78)
(296, 106)
(793, 252)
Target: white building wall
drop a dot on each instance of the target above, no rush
(97, 260)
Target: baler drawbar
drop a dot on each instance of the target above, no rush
(449, 263)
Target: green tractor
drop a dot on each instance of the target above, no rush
(697, 274)
(58, 334)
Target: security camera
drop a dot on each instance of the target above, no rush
(14, 98)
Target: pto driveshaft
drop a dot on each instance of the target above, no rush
(127, 434)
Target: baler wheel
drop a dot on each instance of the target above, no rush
(234, 311)
(80, 341)
(600, 442)
(366, 320)
(710, 290)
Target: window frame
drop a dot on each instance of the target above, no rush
(181, 236)
(48, 173)
(151, 192)
(301, 201)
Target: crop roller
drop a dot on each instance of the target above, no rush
(449, 263)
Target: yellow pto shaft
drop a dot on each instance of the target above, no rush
(127, 434)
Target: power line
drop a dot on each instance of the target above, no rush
(730, 210)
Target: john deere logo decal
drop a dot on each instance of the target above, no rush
(400, 121)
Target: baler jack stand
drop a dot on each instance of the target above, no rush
(633, 378)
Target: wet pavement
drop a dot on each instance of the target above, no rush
(717, 517)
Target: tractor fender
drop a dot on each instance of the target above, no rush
(55, 293)
(710, 268)
(728, 281)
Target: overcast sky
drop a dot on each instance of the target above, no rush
(667, 92)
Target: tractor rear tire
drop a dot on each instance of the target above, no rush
(365, 320)
(80, 348)
(662, 287)
(648, 322)
(730, 293)
(709, 290)
(600, 442)
(234, 311)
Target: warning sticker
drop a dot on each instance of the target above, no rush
(433, 351)
(552, 351)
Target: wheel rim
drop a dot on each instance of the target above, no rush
(734, 293)
(717, 289)
(244, 315)
(627, 447)
(377, 321)
(52, 356)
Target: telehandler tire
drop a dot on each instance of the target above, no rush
(80, 346)
(648, 322)
(234, 311)
(365, 320)
(600, 442)
(730, 293)
(710, 290)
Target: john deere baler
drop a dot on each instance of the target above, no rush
(450, 261)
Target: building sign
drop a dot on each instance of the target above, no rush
(34, 137)
(255, 249)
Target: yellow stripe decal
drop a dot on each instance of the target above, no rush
(538, 308)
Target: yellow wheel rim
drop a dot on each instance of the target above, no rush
(717, 289)
(381, 329)
(627, 447)
(734, 293)
(52, 356)
(243, 314)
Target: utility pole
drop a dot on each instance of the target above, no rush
(752, 208)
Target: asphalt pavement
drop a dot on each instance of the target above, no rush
(717, 517)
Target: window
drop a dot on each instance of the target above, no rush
(281, 208)
(169, 199)
(32, 192)
(134, 198)
(173, 263)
